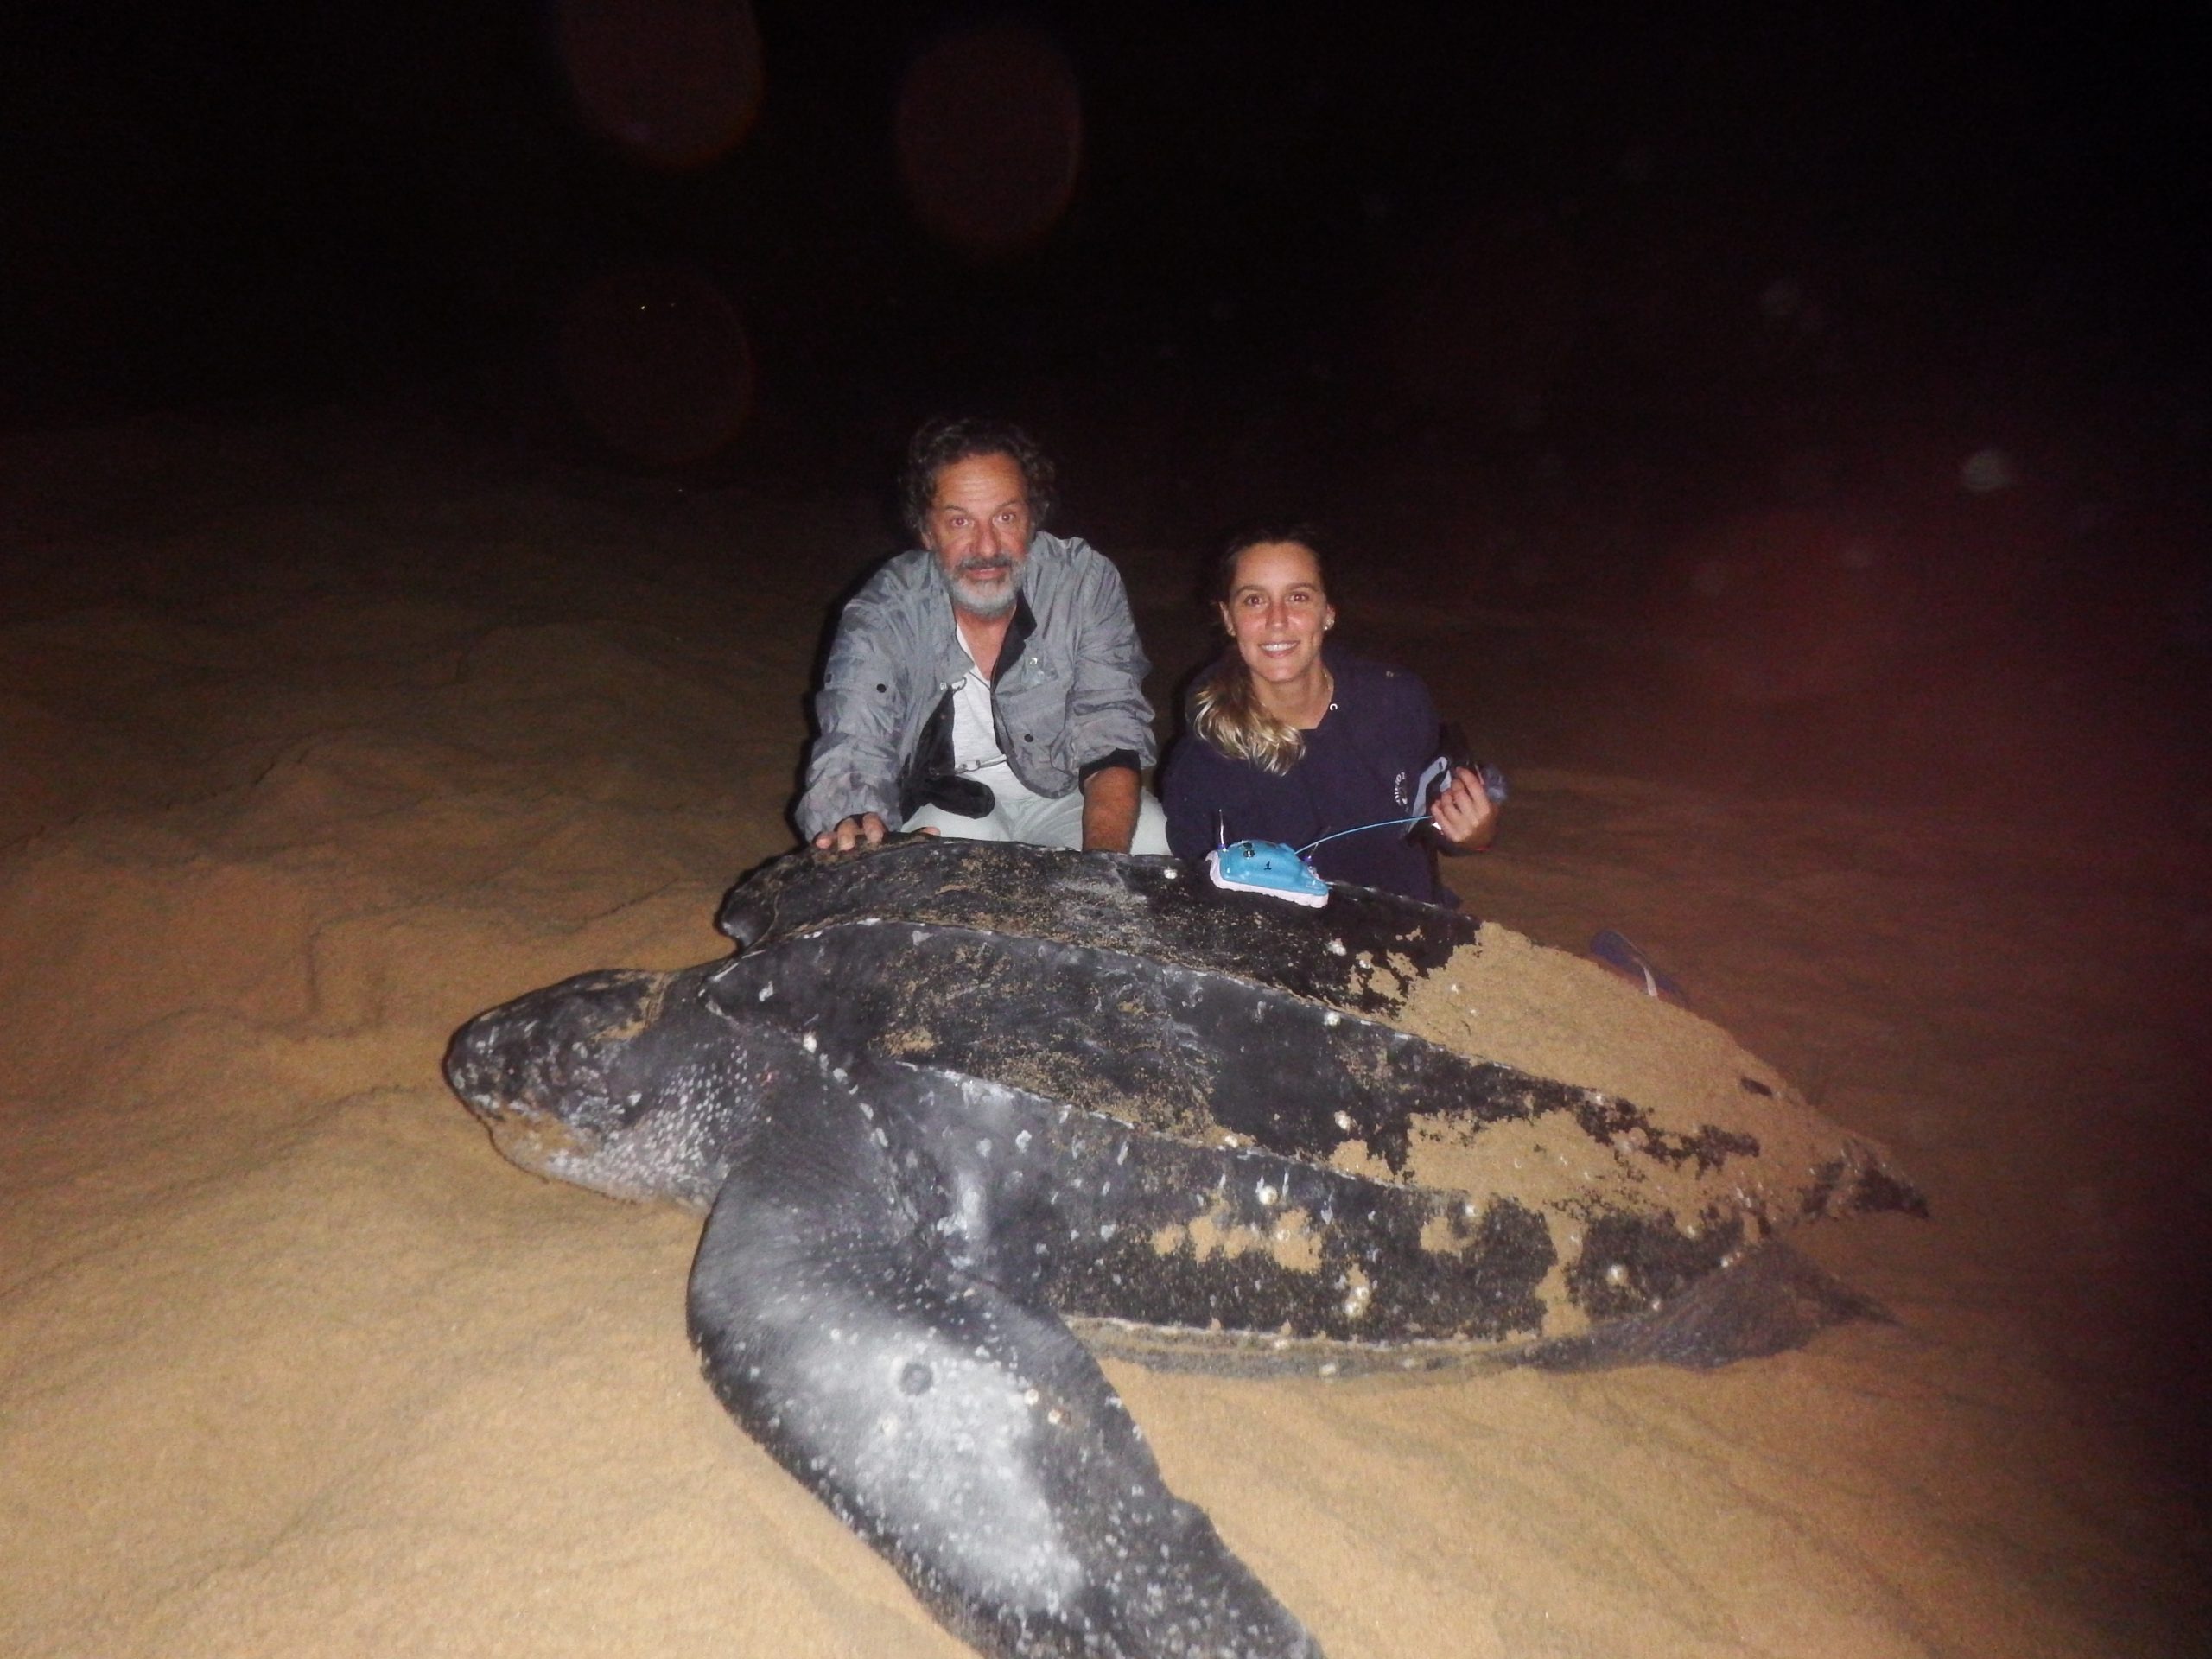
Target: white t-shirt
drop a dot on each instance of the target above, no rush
(975, 738)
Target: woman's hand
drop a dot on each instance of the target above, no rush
(1465, 815)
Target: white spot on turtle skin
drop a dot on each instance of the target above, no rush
(767, 990)
(1332, 1019)
(1336, 947)
(808, 1043)
(1344, 1122)
(1265, 1194)
(1616, 1274)
(984, 1148)
(1021, 1141)
(1357, 1299)
(933, 1455)
(1108, 1228)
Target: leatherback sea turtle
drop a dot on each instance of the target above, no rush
(952, 1102)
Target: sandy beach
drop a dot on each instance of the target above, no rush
(322, 733)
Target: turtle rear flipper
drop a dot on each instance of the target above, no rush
(962, 1432)
(1772, 1300)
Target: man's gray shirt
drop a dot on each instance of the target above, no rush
(1075, 697)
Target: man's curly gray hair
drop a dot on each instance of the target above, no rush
(945, 441)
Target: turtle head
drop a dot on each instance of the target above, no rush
(608, 1080)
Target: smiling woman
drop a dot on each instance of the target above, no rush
(1292, 740)
(1273, 602)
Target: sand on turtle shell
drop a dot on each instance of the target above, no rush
(1555, 1014)
(1552, 1014)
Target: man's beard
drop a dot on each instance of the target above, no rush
(991, 602)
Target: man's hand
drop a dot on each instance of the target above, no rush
(1110, 810)
(1465, 816)
(864, 830)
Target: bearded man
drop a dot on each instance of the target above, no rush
(988, 684)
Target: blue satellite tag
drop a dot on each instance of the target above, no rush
(1268, 867)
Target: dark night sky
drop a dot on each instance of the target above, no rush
(242, 199)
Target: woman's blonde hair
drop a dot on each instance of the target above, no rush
(1225, 709)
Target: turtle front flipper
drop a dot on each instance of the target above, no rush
(962, 1432)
